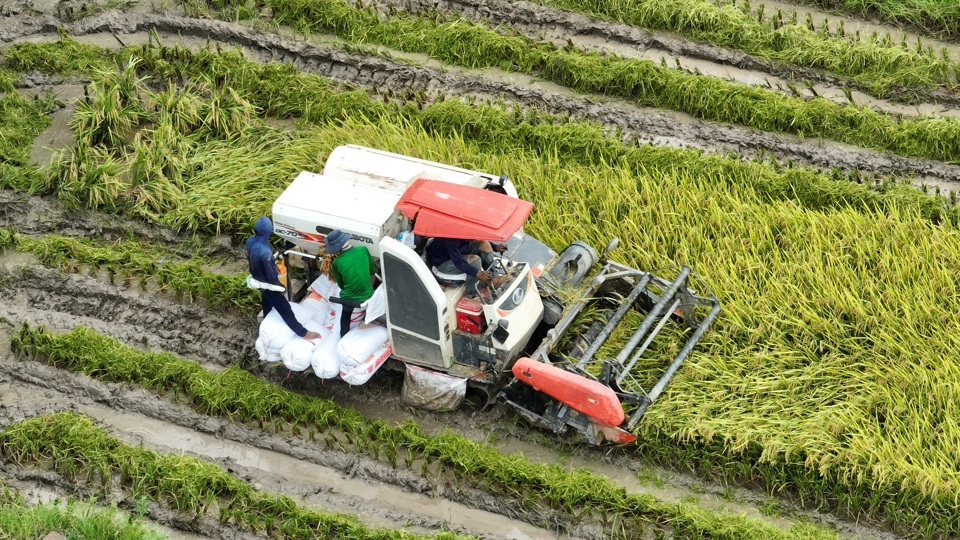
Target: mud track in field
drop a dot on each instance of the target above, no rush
(639, 124)
(316, 477)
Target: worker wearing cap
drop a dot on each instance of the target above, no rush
(471, 257)
(352, 268)
(264, 269)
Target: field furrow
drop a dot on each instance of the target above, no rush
(778, 155)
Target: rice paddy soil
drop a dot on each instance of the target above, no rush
(284, 463)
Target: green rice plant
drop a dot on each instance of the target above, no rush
(646, 82)
(876, 64)
(74, 57)
(21, 120)
(96, 177)
(649, 84)
(243, 397)
(73, 445)
(73, 519)
(940, 18)
(807, 325)
(8, 238)
(187, 278)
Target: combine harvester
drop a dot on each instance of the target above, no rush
(519, 343)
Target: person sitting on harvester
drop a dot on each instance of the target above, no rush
(351, 268)
(471, 257)
(264, 269)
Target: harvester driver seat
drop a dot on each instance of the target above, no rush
(449, 280)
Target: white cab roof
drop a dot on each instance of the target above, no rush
(391, 171)
(340, 198)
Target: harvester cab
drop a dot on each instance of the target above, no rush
(525, 342)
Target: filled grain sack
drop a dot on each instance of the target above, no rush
(266, 355)
(356, 347)
(333, 317)
(325, 359)
(432, 390)
(325, 287)
(297, 352)
(360, 374)
(318, 305)
(274, 332)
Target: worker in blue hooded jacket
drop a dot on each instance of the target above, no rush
(263, 268)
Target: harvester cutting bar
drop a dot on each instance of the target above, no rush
(652, 316)
(613, 322)
(651, 396)
(571, 314)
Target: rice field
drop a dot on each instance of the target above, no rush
(826, 385)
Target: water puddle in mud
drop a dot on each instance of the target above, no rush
(59, 135)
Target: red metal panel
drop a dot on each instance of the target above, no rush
(587, 396)
(445, 210)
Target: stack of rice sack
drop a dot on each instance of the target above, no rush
(275, 335)
(361, 353)
(355, 358)
(277, 342)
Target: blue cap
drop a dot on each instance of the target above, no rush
(336, 239)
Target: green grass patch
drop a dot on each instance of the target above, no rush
(234, 393)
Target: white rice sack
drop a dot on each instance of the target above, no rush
(357, 375)
(264, 352)
(356, 347)
(325, 360)
(325, 286)
(376, 305)
(333, 317)
(296, 353)
(275, 332)
(320, 308)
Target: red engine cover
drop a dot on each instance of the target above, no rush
(587, 396)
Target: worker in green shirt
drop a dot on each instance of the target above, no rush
(351, 268)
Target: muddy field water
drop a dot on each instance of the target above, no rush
(377, 494)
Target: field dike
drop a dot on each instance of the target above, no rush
(371, 71)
